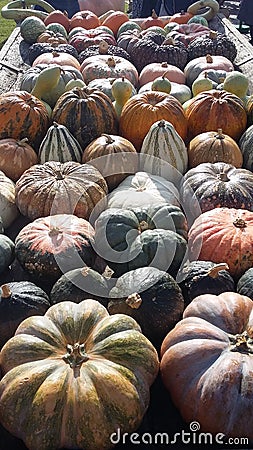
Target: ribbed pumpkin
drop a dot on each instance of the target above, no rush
(212, 147)
(188, 32)
(142, 110)
(59, 145)
(246, 147)
(19, 300)
(16, 157)
(215, 109)
(51, 245)
(163, 147)
(197, 65)
(114, 156)
(152, 20)
(223, 235)
(206, 364)
(217, 185)
(57, 57)
(87, 113)
(8, 209)
(115, 20)
(150, 296)
(90, 363)
(245, 284)
(59, 188)
(22, 115)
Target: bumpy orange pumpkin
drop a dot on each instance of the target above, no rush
(142, 110)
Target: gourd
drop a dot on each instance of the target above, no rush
(31, 28)
(212, 8)
(19, 300)
(15, 10)
(201, 84)
(161, 84)
(78, 350)
(71, 84)
(16, 157)
(197, 65)
(46, 81)
(237, 83)
(206, 360)
(121, 90)
(59, 145)
(7, 252)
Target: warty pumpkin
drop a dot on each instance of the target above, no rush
(212, 43)
(223, 235)
(87, 113)
(142, 110)
(206, 364)
(60, 188)
(90, 363)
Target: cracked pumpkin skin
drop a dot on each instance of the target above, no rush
(207, 364)
(75, 375)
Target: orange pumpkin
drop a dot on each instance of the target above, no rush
(215, 109)
(142, 110)
(181, 17)
(84, 19)
(115, 20)
(223, 235)
(16, 157)
(22, 115)
(59, 58)
(154, 70)
(152, 21)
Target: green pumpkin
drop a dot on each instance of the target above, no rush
(246, 147)
(7, 252)
(198, 19)
(152, 297)
(245, 284)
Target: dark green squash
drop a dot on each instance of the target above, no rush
(7, 252)
(214, 44)
(19, 300)
(245, 284)
(246, 147)
(81, 284)
(204, 277)
(152, 297)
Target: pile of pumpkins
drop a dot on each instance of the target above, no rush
(126, 248)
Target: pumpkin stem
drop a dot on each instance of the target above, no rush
(85, 271)
(143, 226)
(75, 355)
(213, 34)
(59, 175)
(164, 64)
(220, 135)
(241, 343)
(169, 41)
(109, 139)
(182, 12)
(54, 232)
(239, 223)
(134, 301)
(22, 142)
(6, 292)
(161, 124)
(103, 47)
(223, 176)
(111, 62)
(154, 15)
(214, 271)
(209, 59)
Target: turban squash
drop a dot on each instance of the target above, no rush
(74, 376)
(206, 364)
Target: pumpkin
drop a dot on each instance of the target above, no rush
(244, 284)
(152, 297)
(97, 362)
(57, 28)
(206, 364)
(198, 19)
(85, 19)
(57, 16)
(212, 147)
(246, 145)
(86, 38)
(217, 185)
(216, 76)
(103, 48)
(204, 277)
(180, 91)
(197, 65)
(68, 73)
(163, 147)
(102, 66)
(8, 209)
(128, 25)
(22, 115)
(15, 157)
(7, 252)
(142, 110)
(214, 44)
(181, 17)
(115, 20)
(215, 109)
(223, 235)
(127, 241)
(186, 33)
(19, 300)
(127, 39)
(57, 57)
(151, 71)
(59, 145)
(59, 188)
(40, 48)
(51, 245)
(143, 190)
(80, 284)
(87, 113)
(114, 156)
(237, 83)
(52, 37)
(152, 21)
(31, 28)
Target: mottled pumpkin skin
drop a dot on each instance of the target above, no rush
(87, 113)
(50, 245)
(142, 110)
(60, 188)
(74, 376)
(207, 363)
(22, 115)
(223, 235)
(215, 109)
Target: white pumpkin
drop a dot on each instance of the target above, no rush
(8, 209)
(163, 148)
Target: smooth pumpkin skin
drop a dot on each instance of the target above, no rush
(244, 285)
(8, 209)
(223, 235)
(76, 400)
(16, 157)
(7, 252)
(208, 377)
